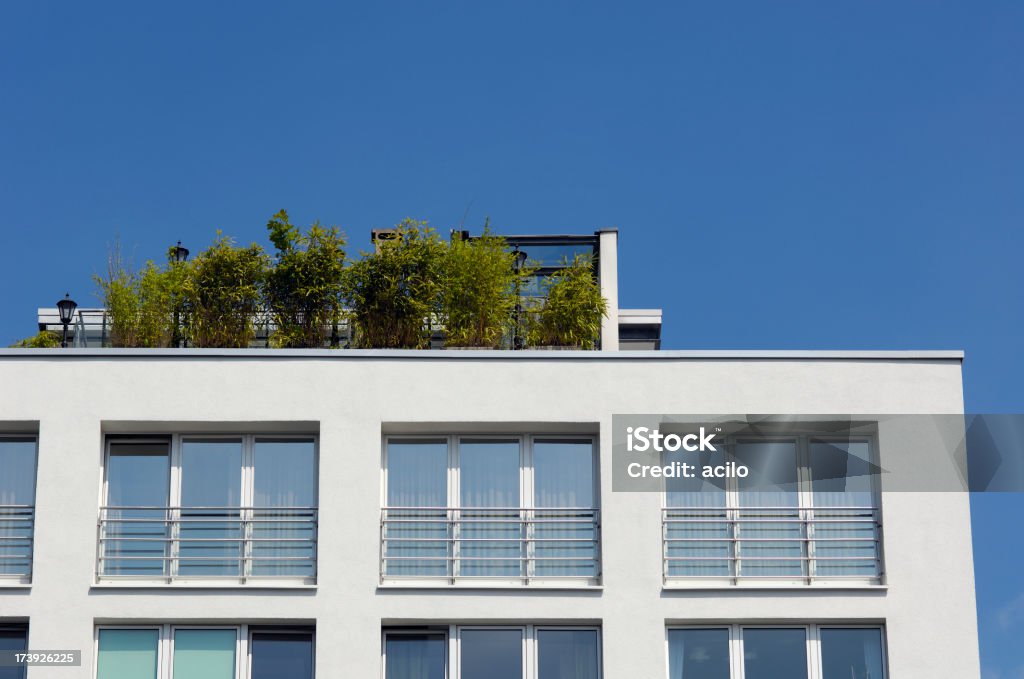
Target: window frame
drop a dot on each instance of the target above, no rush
(527, 502)
(805, 503)
(452, 634)
(812, 643)
(165, 643)
(25, 579)
(174, 443)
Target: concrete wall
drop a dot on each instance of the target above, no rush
(928, 606)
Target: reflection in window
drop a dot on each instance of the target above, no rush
(567, 654)
(491, 654)
(775, 653)
(698, 654)
(17, 505)
(415, 656)
(851, 653)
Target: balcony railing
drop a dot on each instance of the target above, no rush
(238, 544)
(16, 529)
(772, 544)
(495, 544)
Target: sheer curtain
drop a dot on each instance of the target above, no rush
(770, 533)
(491, 528)
(416, 530)
(138, 483)
(17, 487)
(567, 654)
(698, 534)
(205, 653)
(414, 656)
(563, 532)
(698, 654)
(846, 527)
(211, 491)
(851, 653)
(284, 499)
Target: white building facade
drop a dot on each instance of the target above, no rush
(226, 514)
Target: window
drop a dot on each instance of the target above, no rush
(807, 513)
(233, 508)
(13, 638)
(492, 652)
(789, 652)
(514, 510)
(196, 652)
(17, 506)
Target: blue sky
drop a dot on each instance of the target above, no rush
(783, 175)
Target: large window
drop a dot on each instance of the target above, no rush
(807, 513)
(797, 652)
(493, 652)
(234, 508)
(513, 509)
(204, 652)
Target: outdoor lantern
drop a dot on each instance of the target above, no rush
(180, 253)
(66, 307)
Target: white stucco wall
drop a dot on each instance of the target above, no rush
(928, 606)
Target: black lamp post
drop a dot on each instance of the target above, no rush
(179, 255)
(517, 340)
(66, 307)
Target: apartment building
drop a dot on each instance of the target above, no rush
(278, 514)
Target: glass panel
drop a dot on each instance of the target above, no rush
(775, 653)
(127, 654)
(698, 654)
(204, 653)
(556, 255)
(17, 471)
(284, 538)
(491, 529)
(211, 529)
(13, 640)
(17, 495)
(845, 527)
(770, 532)
(136, 533)
(416, 531)
(567, 654)
(698, 532)
(563, 532)
(491, 654)
(851, 654)
(281, 655)
(414, 656)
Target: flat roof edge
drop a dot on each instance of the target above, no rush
(426, 354)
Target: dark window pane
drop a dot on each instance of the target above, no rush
(567, 654)
(492, 654)
(698, 654)
(775, 653)
(414, 656)
(851, 653)
(281, 655)
(13, 640)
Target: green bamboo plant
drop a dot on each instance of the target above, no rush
(571, 314)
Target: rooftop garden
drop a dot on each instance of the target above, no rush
(414, 290)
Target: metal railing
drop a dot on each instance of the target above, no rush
(771, 544)
(508, 544)
(207, 543)
(16, 530)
